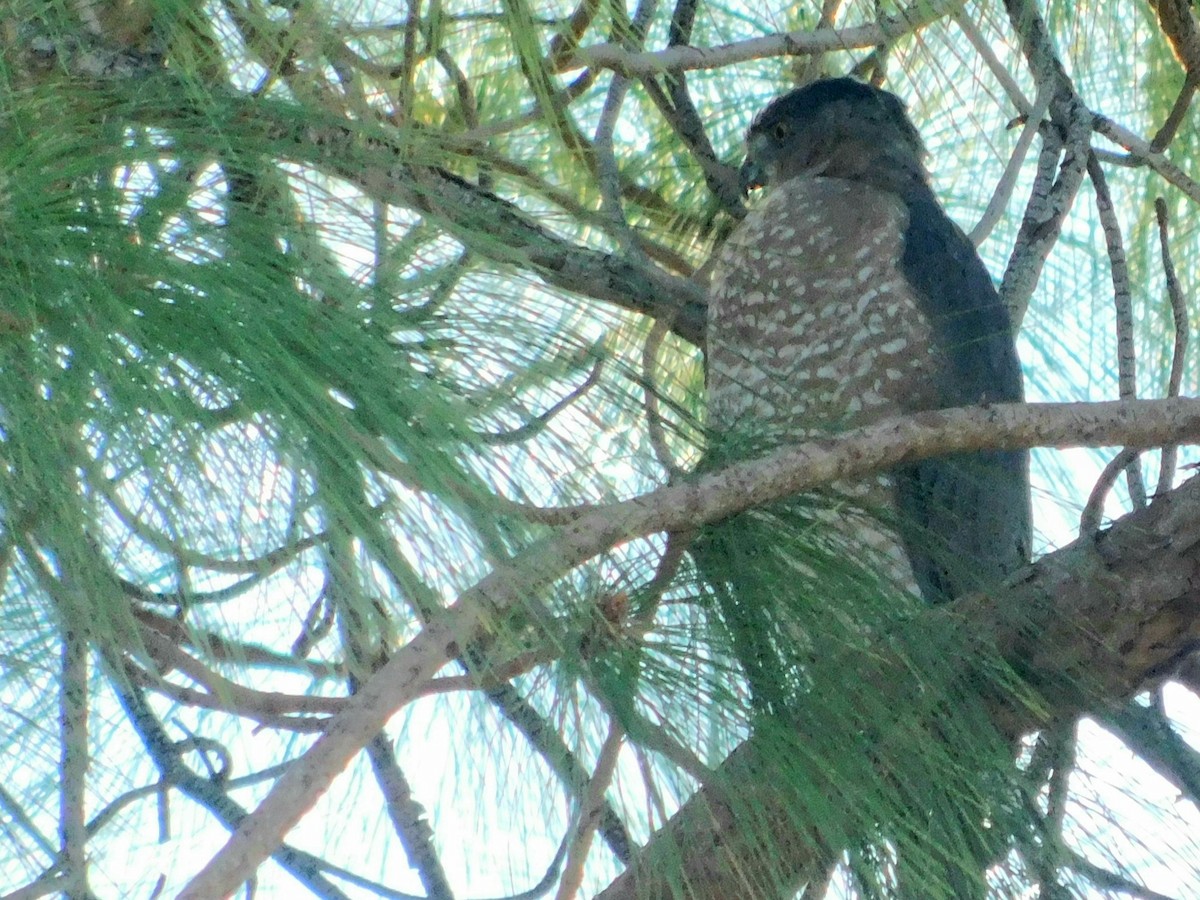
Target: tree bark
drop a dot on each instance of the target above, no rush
(1087, 627)
(709, 498)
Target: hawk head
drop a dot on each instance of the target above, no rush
(835, 128)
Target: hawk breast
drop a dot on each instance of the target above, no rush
(812, 325)
(813, 329)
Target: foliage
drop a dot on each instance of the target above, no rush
(315, 314)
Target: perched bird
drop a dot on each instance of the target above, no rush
(847, 296)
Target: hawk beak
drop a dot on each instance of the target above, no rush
(750, 176)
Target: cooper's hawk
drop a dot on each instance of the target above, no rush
(847, 296)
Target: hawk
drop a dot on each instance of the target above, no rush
(847, 296)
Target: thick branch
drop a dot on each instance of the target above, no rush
(581, 270)
(704, 499)
(1088, 625)
(499, 230)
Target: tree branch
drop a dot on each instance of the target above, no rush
(591, 807)
(1049, 202)
(1179, 26)
(1142, 153)
(684, 58)
(548, 743)
(1150, 734)
(210, 793)
(1123, 309)
(709, 498)
(1179, 318)
(408, 819)
(499, 230)
(73, 763)
(1086, 626)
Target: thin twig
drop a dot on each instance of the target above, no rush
(1179, 317)
(1141, 153)
(681, 114)
(998, 205)
(1178, 24)
(1149, 733)
(1059, 792)
(316, 626)
(408, 61)
(408, 818)
(565, 42)
(683, 117)
(1178, 114)
(50, 880)
(73, 762)
(654, 420)
(189, 599)
(608, 175)
(541, 80)
(812, 68)
(999, 71)
(466, 102)
(535, 426)
(185, 696)
(270, 562)
(1110, 881)
(1123, 309)
(652, 735)
(544, 737)
(228, 695)
(223, 649)
(1093, 510)
(273, 47)
(567, 95)
(591, 806)
(537, 72)
(1056, 747)
(880, 55)
(655, 805)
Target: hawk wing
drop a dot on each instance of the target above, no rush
(965, 519)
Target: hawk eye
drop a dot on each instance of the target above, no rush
(780, 131)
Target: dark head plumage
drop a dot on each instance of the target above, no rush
(836, 128)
